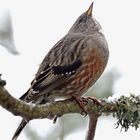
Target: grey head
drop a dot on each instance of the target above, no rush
(86, 23)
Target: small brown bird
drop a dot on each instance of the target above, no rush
(72, 66)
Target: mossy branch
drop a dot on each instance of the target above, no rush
(125, 109)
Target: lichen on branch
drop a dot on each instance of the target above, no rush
(128, 112)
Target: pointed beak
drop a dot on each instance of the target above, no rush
(89, 11)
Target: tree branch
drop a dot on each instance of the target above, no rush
(125, 109)
(31, 111)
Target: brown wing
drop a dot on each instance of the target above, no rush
(59, 64)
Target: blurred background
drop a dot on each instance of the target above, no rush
(28, 29)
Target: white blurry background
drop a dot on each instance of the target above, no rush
(38, 25)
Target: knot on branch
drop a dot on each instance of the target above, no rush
(2, 82)
(128, 112)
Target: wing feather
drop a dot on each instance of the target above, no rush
(52, 72)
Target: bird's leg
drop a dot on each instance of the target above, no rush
(80, 102)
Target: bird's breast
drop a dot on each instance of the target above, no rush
(93, 65)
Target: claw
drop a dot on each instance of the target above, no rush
(55, 118)
(94, 100)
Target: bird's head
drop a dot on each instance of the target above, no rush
(86, 23)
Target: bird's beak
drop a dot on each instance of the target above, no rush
(89, 11)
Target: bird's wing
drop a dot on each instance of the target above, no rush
(59, 64)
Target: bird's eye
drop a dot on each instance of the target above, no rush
(82, 19)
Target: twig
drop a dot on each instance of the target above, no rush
(92, 126)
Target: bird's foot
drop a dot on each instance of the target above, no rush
(80, 101)
(83, 100)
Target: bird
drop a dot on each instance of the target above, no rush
(71, 66)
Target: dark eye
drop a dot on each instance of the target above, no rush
(82, 19)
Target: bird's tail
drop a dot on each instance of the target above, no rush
(19, 129)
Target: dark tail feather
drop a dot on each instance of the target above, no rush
(19, 129)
